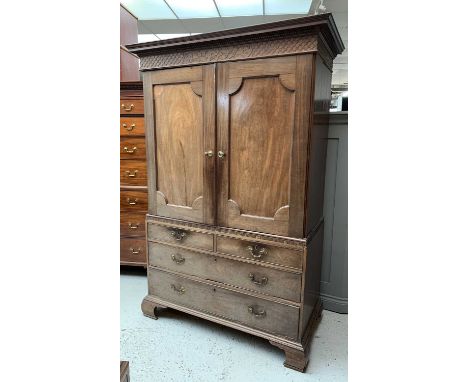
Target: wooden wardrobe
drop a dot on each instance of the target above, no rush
(236, 128)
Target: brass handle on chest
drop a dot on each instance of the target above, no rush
(179, 260)
(262, 281)
(256, 313)
(127, 108)
(137, 252)
(129, 151)
(178, 234)
(128, 128)
(257, 251)
(179, 290)
(130, 174)
(221, 154)
(131, 226)
(132, 202)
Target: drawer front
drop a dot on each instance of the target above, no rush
(251, 311)
(131, 106)
(132, 148)
(133, 250)
(180, 236)
(130, 126)
(133, 173)
(260, 252)
(133, 201)
(132, 223)
(273, 282)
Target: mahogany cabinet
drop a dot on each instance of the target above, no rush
(133, 189)
(236, 127)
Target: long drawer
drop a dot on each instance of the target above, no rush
(133, 250)
(251, 311)
(133, 200)
(131, 126)
(131, 106)
(270, 281)
(133, 173)
(132, 223)
(180, 236)
(132, 148)
(260, 252)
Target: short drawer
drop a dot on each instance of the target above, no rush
(131, 106)
(133, 200)
(268, 316)
(132, 223)
(180, 236)
(260, 252)
(133, 173)
(133, 250)
(132, 148)
(260, 279)
(130, 126)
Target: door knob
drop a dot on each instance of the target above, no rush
(209, 153)
(221, 154)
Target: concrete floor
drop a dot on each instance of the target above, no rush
(179, 347)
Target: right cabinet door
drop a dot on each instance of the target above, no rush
(263, 118)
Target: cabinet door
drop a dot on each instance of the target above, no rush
(180, 121)
(263, 119)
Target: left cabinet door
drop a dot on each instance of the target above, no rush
(180, 124)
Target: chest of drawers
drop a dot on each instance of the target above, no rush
(133, 187)
(236, 126)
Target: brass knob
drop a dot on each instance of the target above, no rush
(132, 202)
(127, 108)
(209, 153)
(129, 151)
(137, 252)
(262, 281)
(255, 312)
(133, 226)
(178, 289)
(179, 260)
(221, 154)
(128, 128)
(257, 251)
(130, 174)
(178, 234)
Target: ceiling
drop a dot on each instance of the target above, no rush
(162, 19)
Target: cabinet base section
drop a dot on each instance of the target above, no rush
(296, 353)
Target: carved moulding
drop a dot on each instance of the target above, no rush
(252, 47)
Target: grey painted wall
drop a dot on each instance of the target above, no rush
(334, 284)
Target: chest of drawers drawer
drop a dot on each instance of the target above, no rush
(252, 311)
(131, 106)
(132, 126)
(133, 173)
(132, 223)
(245, 275)
(133, 250)
(180, 236)
(132, 148)
(133, 200)
(260, 252)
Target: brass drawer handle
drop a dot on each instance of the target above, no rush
(137, 252)
(131, 226)
(130, 174)
(256, 313)
(128, 128)
(132, 203)
(179, 260)
(221, 154)
(262, 281)
(209, 153)
(179, 290)
(178, 234)
(127, 108)
(257, 251)
(129, 151)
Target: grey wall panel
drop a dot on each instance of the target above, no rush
(334, 284)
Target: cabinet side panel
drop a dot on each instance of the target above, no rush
(318, 144)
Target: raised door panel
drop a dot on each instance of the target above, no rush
(263, 111)
(180, 123)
